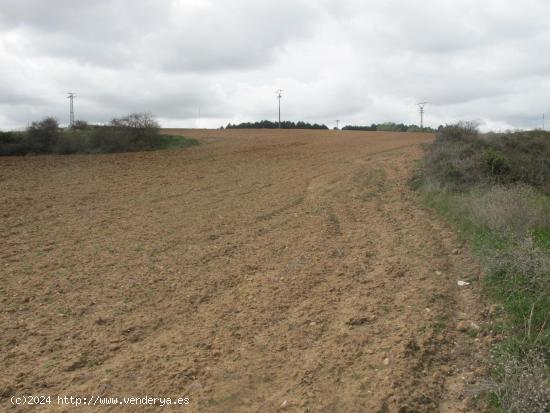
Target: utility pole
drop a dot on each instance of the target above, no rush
(543, 121)
(421, 105)
(279, 96)
(71, 97)
(337, 122)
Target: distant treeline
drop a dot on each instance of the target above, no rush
(392, 127)
(384, 127)
(267, 124)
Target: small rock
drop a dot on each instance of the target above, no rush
(313, 323)
(386, 362)
(284, 404)
(438, 273)
(463, 283)
(456, 251)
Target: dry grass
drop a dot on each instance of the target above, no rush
(525, 386)
(517, 208)
(524, 259)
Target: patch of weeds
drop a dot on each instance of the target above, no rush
(472, 332)
(541, 236)
(66, 311)
(92, 364)
(441, 322)
(523, 384)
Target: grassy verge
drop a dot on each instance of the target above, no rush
(499, 200)
(176, 142)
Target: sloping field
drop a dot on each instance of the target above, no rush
(260, 271)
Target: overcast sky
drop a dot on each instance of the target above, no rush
(359, 61)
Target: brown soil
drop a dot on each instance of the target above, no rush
(257, 272)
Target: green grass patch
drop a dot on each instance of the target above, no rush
(176, 142)
(542, 238)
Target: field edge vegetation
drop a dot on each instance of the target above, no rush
(133, 133)
(495, 188)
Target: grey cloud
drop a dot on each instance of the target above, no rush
(361, 60)
(235, 35)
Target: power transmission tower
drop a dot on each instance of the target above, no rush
(71, 97)
(279, 96)
(421, 105)
(337, 123)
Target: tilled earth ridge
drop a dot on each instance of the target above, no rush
(261, 271)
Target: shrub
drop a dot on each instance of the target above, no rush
(455, 163)
(496, 162)
(461, 158)
(135, 132)
(13, 143)
(42, 136)
(109, 139)
(527, 156)
(73, 141)
(462, 131)
(80, 125)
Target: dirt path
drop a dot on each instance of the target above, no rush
(261, 271)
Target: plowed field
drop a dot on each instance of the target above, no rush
(260, 271)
